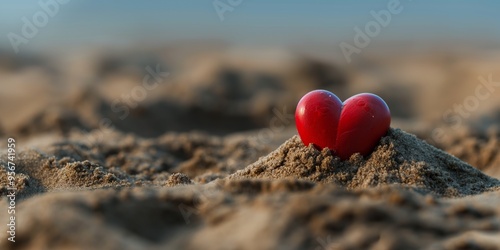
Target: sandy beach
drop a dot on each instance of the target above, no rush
(205, 155)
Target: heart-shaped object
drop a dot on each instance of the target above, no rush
(354, 126)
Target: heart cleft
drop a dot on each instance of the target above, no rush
(354, 126)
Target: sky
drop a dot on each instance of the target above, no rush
(279, 22)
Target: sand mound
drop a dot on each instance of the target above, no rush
(400, 158)
(481, 149)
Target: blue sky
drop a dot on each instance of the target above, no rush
(82, 22)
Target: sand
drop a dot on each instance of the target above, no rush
(186, 191)
(202, 162)
(126, 160)
(400, 158)
(480, 149)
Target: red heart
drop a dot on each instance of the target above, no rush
(354, 126)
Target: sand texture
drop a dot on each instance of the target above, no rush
(210, 158)
(182, 191)
(400, 158)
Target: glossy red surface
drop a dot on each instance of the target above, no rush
(354, 126)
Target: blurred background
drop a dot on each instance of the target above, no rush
(230, 66)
